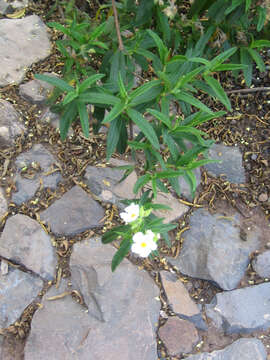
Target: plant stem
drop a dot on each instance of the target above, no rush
(120, 42)
(251, 90)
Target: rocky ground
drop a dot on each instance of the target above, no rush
(206, 297)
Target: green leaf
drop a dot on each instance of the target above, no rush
(61, 84)
(143, 180)
(88, 82)
(200, 60)
(193, 101)
(221, 58)
(262, 18)
(70, 113)
(116, 111)
(219, 91)
(184, 79)
(199, 163)
(123, 91)
(234, 5)
(162, 49)
(144, 126)
(247, 60)
(227, 67)
(169, 174)
(175, 185)
(257, 58)
(113, 234)
(248, 3)
(59, 27)
(113, 137)
(97, 31)
(191, 180)
(84, 118)
(70, 97)
(260, 43)
(99, 98)
(171, 144)
(163, 118)
(157, 207)
(190, 155)
(121, 253)
(161, 186)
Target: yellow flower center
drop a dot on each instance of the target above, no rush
(133, 215)
(143, 244)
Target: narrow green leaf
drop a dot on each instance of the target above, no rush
(113, 137)
(113, 234)
(221, 58)
(193, 101)
(257, 58)
(260, 43)
(199, 163)
(88, 82)
(184, 79)
(97, 31)
(116, 111)
(84, 118)
(99, 98)
(262, 18)
(190, 155)
(234, 5)
(169, 174)
(199, 60)
(53, 80)
(70, 113)
(169, 141)
(122, 89)
(191, 180)
(227, 67)
(161, 186)
(59, 27)
(121, 253)
(163, 118)
(144, 126)
(175, 185)
(246, 59)
(219, 91)
(69, 97)
(142, 180)
(162, 49)
(154, 187)
(248, 4)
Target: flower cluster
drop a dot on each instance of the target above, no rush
(143, 243)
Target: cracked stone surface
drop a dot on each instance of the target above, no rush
(243, 310)
(22, 42)
(7, 7)
(244, 349)
(261, 264)
(25, 242)
(179, 336)
(74, 213)
(10, 125)
(231, 163)
(18, 289)
(33, 168)
(3, 203)
(214, 250)
(124, 302)
(36, 91)
(177, 209)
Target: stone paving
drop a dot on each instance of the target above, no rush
(120, 312)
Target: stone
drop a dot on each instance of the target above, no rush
(3, 204)
(18, 289)
(10, 125)
(263, 197)
(184, 186)
(25, 242)
(33, 168)
(177, 209)
(231, 163)
(214, 249)
(179, 336)
(179, 299)
(61, 327)
(74, 213)
(36, 91)
(7, 7)
(243, 310)
(124, 302)
(22, 43)
(104, 183)
(242, 349)
(261, 264)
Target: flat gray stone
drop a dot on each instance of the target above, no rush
(36, 91)
(261, 264)
(40, 162)
(3, 204)
(124, 302)
(179, 336)
(25, 242)
(22, 43)
(177, 208)
(74, 213)
(243, 310)
(60, 328)
(7, 7)
(103, 182)
(231, 166)
(214, 250)
(180, 300)
(10, 125)
(18, 289)
(242, 349)
(184, 186)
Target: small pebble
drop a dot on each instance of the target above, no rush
(263, 197)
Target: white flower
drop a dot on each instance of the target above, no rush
(143, 244)
(131, 213)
